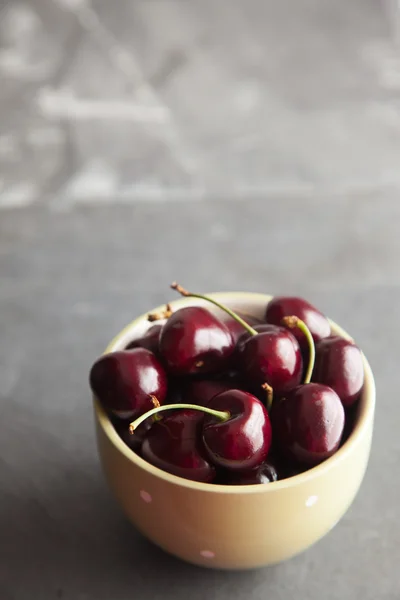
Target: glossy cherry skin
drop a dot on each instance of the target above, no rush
(265, 473)
(124, 382)
(194, 341)
(174, 445)
(272, 357)
(201, 391)
(339, 364)
(134, 442)
(149, 340)
(286, 306)
(236, 328)
(308, 423)
(242, 442)
(245, 335)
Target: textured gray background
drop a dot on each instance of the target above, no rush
(249, 145)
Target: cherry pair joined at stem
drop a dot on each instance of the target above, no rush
(301, 417)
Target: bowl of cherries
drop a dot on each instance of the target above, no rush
(234, 429)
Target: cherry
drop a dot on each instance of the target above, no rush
(230, 375)
(245, 335)
(193, 340)
(201, 391)
(236, 431)
(339, 365)
(128, 382)
(149, 340)
(284, 306)
(265, 473)
(241, 442)
(309, 420)
(235, 327)
(133, 441)
(174, 445)
(271, 358)
(175, 390)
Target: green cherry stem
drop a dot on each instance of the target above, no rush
(181, 290)
(220, 414)
(293, 322)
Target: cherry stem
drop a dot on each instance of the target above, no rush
(156, 404)
(223, 415)
(183, 292)
(270, 395)
(293, 322)
(163, 314)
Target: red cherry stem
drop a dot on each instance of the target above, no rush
(181, 290)
(220, 414)
(293, 322)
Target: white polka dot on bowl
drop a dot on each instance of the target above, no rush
(145, 496)
(311, 500)
(207, 554)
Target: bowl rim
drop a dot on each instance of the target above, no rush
(367, 410)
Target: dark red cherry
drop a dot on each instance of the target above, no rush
(272, 357)
(231, 375)
(134, 442)
(235, 433)
(149, 339)
(174, 445)
(200, 391)
(265, 473)
(339, 364)
(195, 341)
(285, 306)
(243, 440)
(175, 390)
(308, 423)
(128, 383)
(245, 335)
(235, 327)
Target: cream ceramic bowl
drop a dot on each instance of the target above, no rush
(234, 527)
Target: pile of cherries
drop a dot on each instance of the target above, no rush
(233, 400)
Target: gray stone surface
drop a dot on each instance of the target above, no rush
(71, 281)
(229, 145)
